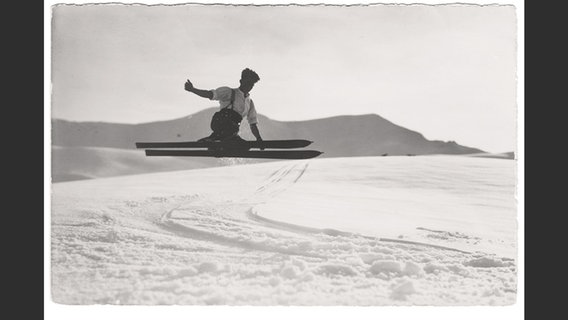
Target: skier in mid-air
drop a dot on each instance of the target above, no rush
(235, 104)
(224, 141)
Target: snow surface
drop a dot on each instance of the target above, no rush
(369, 231)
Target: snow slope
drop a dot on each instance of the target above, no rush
(428, 230)
(77, 163)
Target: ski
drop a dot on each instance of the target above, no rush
(268, 144)
(270, 154)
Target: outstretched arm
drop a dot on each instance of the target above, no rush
(202, 93)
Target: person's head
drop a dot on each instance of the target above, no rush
(248, 79)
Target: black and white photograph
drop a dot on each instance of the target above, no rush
(284, 155)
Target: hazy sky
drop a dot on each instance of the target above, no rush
(448, 72)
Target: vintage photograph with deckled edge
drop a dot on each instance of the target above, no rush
(293, 155)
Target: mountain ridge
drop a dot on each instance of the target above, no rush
(344, 135)
(89, 149)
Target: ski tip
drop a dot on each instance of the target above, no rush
(314, 154)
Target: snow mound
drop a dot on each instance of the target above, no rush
(403, 290)
(487, 262)
(336, 269)
(387, 267)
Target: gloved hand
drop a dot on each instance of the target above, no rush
(188, 86)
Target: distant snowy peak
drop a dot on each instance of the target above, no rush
(339, 136)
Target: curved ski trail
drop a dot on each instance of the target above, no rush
(237, 223)
(227, 223)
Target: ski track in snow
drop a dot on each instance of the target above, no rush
(194, 249)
